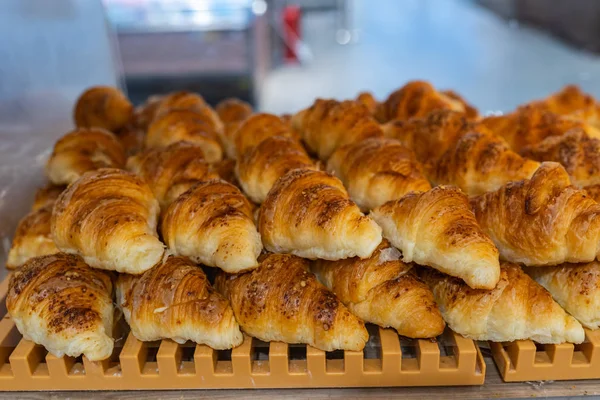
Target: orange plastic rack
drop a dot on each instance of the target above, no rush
(525, 360)
(388, 360)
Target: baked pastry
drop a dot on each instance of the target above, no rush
(46, 195)
(368, 100)
(83, 150)
(480, 162)
(109, 218)
(541, 221)
(132, 138)
(102, 107)
(175, 300)
(415, 99)
(212, 223)
(257, 128)
(593, 191)
(330, 124)
(59, 302)
(145, 112)
(430, 137)
(470, 111)
(233, 112)
(383, 290)
(309, 213)
(187, 101)
(573, 102)
(185, 125)
(32, 238)
(516, 309)
(225, 169)
(437, 228)
(575, 150)
(259, 168)
(282, 301)
(171, 170)
(377, 170)
(576, 287)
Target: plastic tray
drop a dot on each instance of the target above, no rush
(388, 360)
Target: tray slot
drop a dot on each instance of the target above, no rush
(278, 359)
(132, 357)
(168, 359)
(28, 359)
(61, 367)
(241, 358)
(391, 353)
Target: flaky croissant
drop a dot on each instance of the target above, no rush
(593, 191)
(145, 112)
(259, 168)
(103, 107)
(257, 128)
(480, 162)
(576, 287)
(225, 169)
(470, 111)
(132, 138)
(187, 101)
(232, 112)
(541, 221)
(416, 99)
(175, 300)
(573, 102)
(46, 195)
(64, 305)
(282, 301)
(309, 213)
(83, 150)
(575, 150)
(212, 223)
(171, 170)
(368, 100)
(516, 309)
(429, 137)
(383, 290)
(32, 238)
(109, 217)
(377, 170)
(330, 124)
(438, 229)
(185, 125)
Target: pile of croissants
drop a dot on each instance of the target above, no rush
(411, 213)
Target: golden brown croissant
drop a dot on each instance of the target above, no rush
(594, 192)
(84, 150)
(282, 301)
(438, 229)
(232, 110)
(259, 168)
(516, 309)
(572, 101)
(187, 101)
(212, 223)
(225, 169)
(368, 100)
(64, 305)
(480, 162)
(103, 107)
(175, 300)
(377, 170)
(32, 238)
(416, 99)
(383, 290)
(257, 128)
(530, 125)
(576, 151)
(430, 137)
(330, 124)
(541, 221)
(132, 138)
(144, 113)
(470, 111)
(185, 125)
(171, 170)
(576, 287)
(46, 195)
(109, 217)
(309, 213)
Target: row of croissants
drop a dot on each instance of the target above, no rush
(411, 213)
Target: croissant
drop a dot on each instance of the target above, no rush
(83, 150)
(576, 151)
(529, 125)
(212, 223)
(102, 107)
(383, 290)
(377, 170)
(109, 218)
(260, 167)
(145, 112)
(480, 162)
(32, 238)
(594, 192)
(59, 302)
(470, 111)
(46, 195)
(572, 101)
(368, 100)
(231, 110)
(541, 221)
(516, 309)
(430, 137)
(257, 128)
(330, 124)
(575, 287)
(415, 99)
(438, 229)
(308, 213)
(132, 139)
(171, 170)
(187, 101)
(282, 301)
(185, 125)
(175, 300)
(225, 169)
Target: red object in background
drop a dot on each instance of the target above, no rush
(291, 32)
